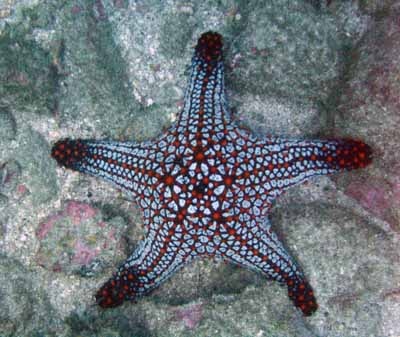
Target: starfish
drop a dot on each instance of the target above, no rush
(205, 187)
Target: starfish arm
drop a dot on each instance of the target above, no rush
(130, 166)
(286, 163)
(205, 101)
(257, 247)
(161, 254)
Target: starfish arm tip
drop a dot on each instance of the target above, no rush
(352, 154)
(69, 153)
(302, 295)
(124, 285)
(209, 46)
(109, 296)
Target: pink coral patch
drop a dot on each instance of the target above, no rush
(79, 211)
(190, 315)
(47, 225)
(378, 196)
(84, 254)
(73, 237)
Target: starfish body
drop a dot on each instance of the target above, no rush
(205, 187)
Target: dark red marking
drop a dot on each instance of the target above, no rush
(350, 154)
(209, 48)
(116, 290)
(302, 296)
(69, 153)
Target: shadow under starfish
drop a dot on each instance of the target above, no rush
(205, 187)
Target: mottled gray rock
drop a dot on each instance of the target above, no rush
(38, 171)
(25, 309)
(28, 72)
(8, 127)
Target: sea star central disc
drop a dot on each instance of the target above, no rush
(205, 187)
